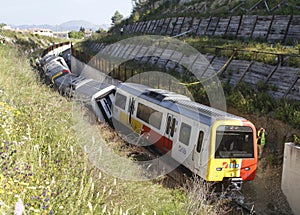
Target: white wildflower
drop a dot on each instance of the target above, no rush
(19, 207)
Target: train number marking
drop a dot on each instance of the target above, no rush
(182, 150)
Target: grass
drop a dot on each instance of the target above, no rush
(30, 43)
(47, 169)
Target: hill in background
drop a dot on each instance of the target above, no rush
(73, 25)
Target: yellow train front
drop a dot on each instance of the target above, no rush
(211, 143)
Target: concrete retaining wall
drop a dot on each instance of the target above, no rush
(291, 176)
(276, 28)
(284, 81)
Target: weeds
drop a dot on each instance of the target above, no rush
(203, 199)
(296, 139)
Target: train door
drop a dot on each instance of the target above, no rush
(105, 105)
(171, 124)
(131, 107)
(132, 122)
(200, 153)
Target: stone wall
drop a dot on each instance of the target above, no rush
(284, 81)
(291, 176)
(276, 28)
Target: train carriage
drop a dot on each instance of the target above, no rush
(211, 143)
(52, 68)
(97, 96)
(66, 84)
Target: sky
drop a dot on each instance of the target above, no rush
(55, 12)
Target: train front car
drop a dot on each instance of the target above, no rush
(212, 144)
(233, 151)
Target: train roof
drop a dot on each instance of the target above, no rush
(46, 59)
(67, 80)
(88, 87)
(54, 62)
(178, 103)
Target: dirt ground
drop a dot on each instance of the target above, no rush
(265, 190)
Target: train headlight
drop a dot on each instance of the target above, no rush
(247, 168)
(219, 169)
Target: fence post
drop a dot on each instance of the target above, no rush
(254, 55)
(125, 71)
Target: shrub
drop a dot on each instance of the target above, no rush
(296, 139)
(76, 35)
(203, 199)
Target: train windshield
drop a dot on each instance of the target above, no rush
(234, 142)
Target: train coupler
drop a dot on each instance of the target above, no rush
(236, 184)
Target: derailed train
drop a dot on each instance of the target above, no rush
(211, 143)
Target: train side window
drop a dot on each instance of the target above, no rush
(149, 115)
(185, 133)
(200, 141)
(120, 101)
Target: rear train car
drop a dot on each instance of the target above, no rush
(211, 143)
(53, 67)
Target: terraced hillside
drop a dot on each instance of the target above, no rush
(151, 9)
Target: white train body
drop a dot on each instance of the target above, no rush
(190, 133)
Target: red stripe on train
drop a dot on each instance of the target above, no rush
(161, 142)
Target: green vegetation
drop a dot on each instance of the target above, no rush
(2, 25)
(296, 139)
(116, 18)
(251, 100)
(76, 34)
(27, 42)
(151, 9)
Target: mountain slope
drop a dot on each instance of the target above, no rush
(171, 8)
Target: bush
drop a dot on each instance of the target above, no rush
(288, 112)
(76, 35)
(203, 199)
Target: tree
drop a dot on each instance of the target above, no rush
(101, 30)
(82, 29)
(2, 25)
(76, 34)
(116, 18)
